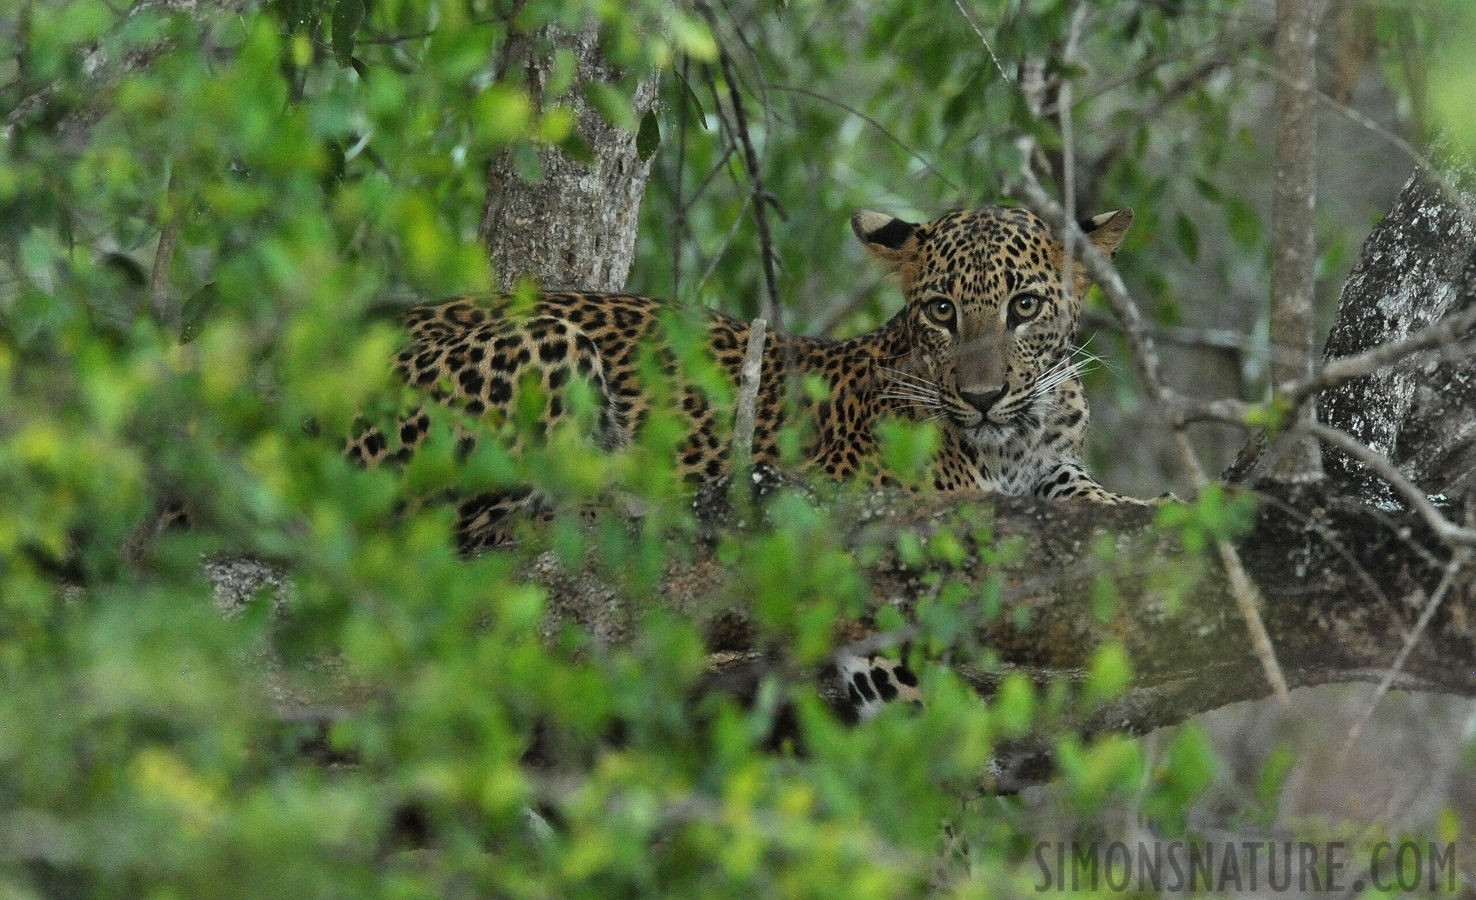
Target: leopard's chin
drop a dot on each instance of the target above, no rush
(987, 434)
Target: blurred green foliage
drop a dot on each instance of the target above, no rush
(307, 157)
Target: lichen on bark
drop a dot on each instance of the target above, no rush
(1418, 266)
(575, 225)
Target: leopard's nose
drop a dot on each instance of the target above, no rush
(983, 401)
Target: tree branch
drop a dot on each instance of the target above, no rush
(748, 390)
(1293, 223)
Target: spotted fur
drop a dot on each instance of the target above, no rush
(872, 682)
(983, 345)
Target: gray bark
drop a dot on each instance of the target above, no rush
(576, 227)
(1415, 269)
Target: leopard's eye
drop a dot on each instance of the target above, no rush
(1025, 307)
(941, 312)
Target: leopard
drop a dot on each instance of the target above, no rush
(983, 346)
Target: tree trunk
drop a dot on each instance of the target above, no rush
(576, 227)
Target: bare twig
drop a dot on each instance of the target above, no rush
(805, 92)
(727, 241)
(1448, 186)
(707, 180)
(1319, 527)
(1446, 530)
(679, 226)
(1440, 334)
(1234, 412)
(1458, 561)
(748, 388)
(1154, 111)
(836, 313)
(1068, 141)
(982, 39)
(761, 197)
(1224, 45)
(1227, 339)
(164, 312)
(1248, 600)
(1437, 339)
(1144, 352)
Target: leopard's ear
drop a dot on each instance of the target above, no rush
(889, 239)
(1107, 232)
(1108, 229)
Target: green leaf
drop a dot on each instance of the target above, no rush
(690, 96)
(1187, 234)
(576, 148)
(1208, 190)
(194, 311)
(1109, 673)
(561, 72)
(1014, 705)
(649, 137)
(502, 114)
(611, 103)
(1244, 224)
(348, 15)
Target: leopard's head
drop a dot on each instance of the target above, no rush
(990, 318)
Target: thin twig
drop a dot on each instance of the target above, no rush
(833, 315)
(1068, 142)
(1446, 530)
(874, 124)
(1154, 111)
(1227, 46)
(1458, 560)
(1228, 339)
(1451, 190)
(1144, 353)
(1317, 526)
(679, 227)
(163, 311)
(761, 198)
(982, 39)
(1239, 412)
(727, 241)
(748, 389)
(1234, 412)
(1440, 334)
(709, 178)
(1293, 220)
(1247, 598)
